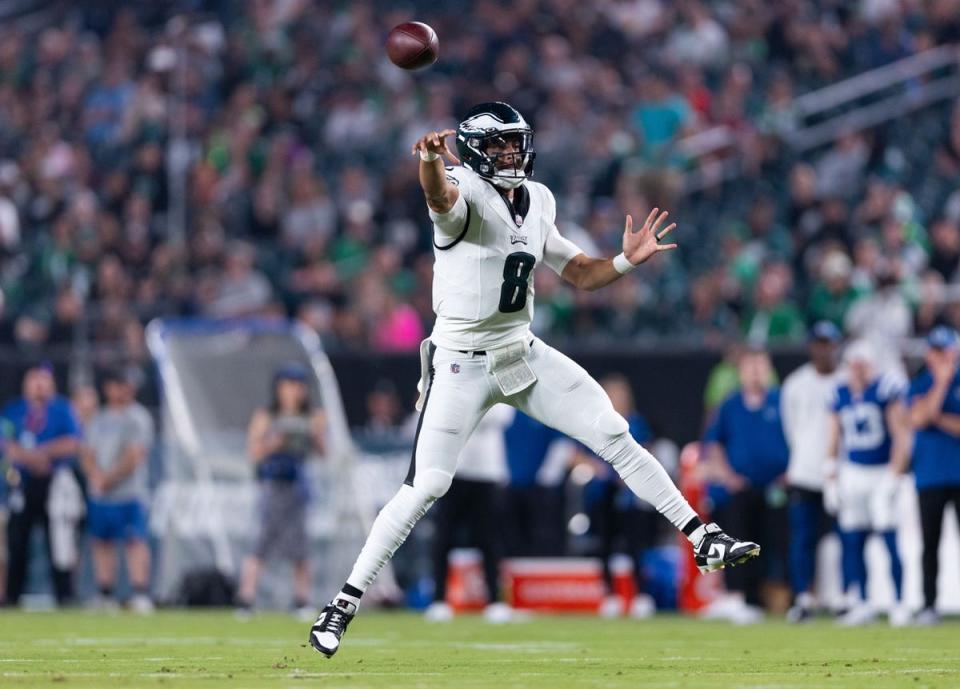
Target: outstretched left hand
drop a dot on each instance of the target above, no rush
(643, 243)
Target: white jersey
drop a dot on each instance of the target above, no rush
(805, 412)
(485, 253)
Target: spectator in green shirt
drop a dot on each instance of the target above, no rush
(774, 319)
(833, 294)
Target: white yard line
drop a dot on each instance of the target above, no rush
(523, 647)
(162, 641)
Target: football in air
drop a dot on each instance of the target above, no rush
(412, 45)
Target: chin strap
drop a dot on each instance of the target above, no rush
(501, 181)
(508, 182)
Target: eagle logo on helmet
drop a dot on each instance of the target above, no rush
(496, 122)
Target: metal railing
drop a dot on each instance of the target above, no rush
(872, 98)
(819, 117)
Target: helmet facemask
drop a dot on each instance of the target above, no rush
(497, 143)
(508, 157)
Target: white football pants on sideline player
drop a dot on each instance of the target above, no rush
(459, 393)
(867, 497)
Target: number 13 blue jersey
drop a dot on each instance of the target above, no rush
(863, 422)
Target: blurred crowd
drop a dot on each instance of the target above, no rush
(252, 158)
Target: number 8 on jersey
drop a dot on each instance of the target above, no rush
(516, 273)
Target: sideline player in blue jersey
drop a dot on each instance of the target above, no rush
(934, 400)
(869, 426)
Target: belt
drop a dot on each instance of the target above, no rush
(480, 352)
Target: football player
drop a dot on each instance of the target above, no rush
(805, 410)
(492, 225)
(870, 424)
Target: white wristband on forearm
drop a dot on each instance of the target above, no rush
(428, 156)
(622, 264)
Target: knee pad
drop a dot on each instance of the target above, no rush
(432, 484)
(608, 428)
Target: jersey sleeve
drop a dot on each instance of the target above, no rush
(451, 224)
(69, 425)
(557, 249)
(892, 387)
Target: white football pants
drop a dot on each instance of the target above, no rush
(867, 497)
(460, 392)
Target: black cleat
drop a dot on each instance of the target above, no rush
(717, 550)
(331, 625)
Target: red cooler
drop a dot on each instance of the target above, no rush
(560, 584)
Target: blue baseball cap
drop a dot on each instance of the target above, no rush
(943, 337)
(825, 330)
(292, 370)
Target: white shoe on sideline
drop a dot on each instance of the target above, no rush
(102, 603)
(732, 608)
(928, 617)
(858, 616)
(748, 614)
(611, 606)
(438, 611)
(719, 608)
(899, 615)
(498, 613)
(643, 607)
(141, 604)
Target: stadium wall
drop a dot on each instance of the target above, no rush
(668, 384)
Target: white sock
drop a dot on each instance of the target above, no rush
(647, 478)
(342, 597)
(697, 535)
(390, 529)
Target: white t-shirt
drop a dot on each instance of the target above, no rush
(805, 412)
(484, 258)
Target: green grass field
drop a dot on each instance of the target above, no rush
(176, 650)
